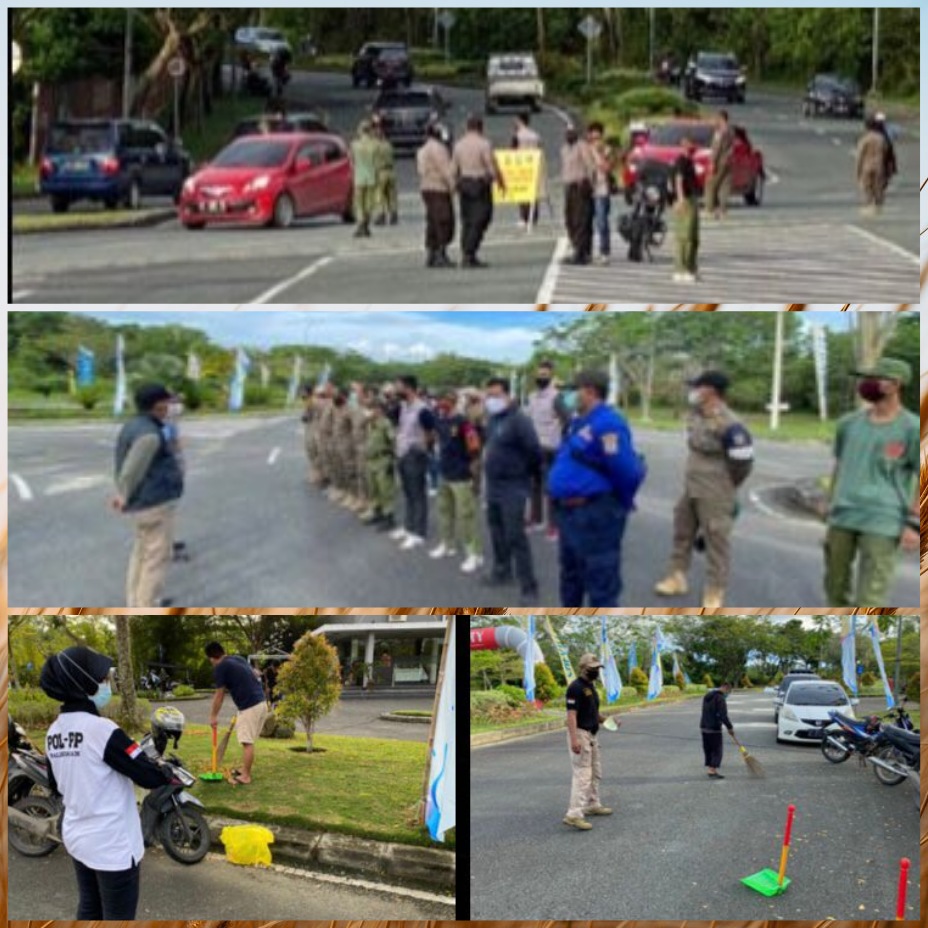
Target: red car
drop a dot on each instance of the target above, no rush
(271, 180)
(661, 145)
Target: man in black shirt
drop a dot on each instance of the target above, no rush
(583, 721)
(686, 214)
(714, 716)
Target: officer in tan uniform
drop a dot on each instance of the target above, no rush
(721, 454)
(311, 410)
(360, 418)
(327, 444)
(436, 184)
(871, 167)
(475, 170)
(578, 173)
(583, 721)
(345, 461)
(719, 182)
(385, 165)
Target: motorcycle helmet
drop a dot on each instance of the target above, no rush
(167, 724)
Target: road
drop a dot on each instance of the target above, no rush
(260, 537)
(808, 243)
(45, 889)
(679, 844)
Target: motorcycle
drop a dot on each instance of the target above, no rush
(644, 227)
(899, 760)
(847, 736)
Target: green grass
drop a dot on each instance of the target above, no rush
(93, 219)
(25, 177)
(793, 426)
(413, 713)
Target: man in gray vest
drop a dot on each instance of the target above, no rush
(548, 412)
(414, 435)
(149, 481)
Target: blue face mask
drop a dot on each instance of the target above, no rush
(103, 695)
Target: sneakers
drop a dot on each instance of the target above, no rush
(552, 534)
(472, 563)
(399, 533)
(535, 528)
(598, 810)
(411, 541)
(601, 260)
(581, 824)
(386, 523)
(713, 597)
(674, 584)
(689, 278)
(678, 278)
(442, 550)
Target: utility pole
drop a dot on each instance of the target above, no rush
(127, 67)
(875, 62)
(777, 373)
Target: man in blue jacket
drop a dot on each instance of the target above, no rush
(593, 483)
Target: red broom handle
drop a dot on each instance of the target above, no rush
(790, 812)
(904, 865)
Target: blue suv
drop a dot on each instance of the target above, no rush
(114, 161)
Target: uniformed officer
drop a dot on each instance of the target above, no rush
(592, 484)
(358, 413)
(436, 185)
(583, 721)
(385, 164)
(719, 181)
(686, 214)
(364, 163)
(381, 467)
(525, 138)
(325, 435)
(475, 169)
(871, 167)
(721, 455)
(344, 451)
(311, 410)
(578, 172)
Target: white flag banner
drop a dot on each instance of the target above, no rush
(119, 400)
(440, 804)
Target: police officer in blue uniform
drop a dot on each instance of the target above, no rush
(593, 482)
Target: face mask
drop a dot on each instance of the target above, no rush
(871, 390)
(694, 397)
(592, 675)
(570, 400)
(340, 401)
(103, 695)
(542, 382)
(495, 405)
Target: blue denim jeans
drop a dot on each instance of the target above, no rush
(601, 223)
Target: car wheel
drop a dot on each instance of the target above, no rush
(284, 211)
(194, 226)
(134, 194)
(755, 196)
(60, 204)
(111, 203)
(536, 106)
(627, 194)
(741, 98)
(490, 108)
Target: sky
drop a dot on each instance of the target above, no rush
(384, 334)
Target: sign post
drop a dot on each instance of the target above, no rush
(16, 58)
(177, 68)
(446, 20)
(590, 28)
(820, 354)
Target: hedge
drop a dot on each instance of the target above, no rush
(33, 709)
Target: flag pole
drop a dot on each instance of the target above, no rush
(424, 795)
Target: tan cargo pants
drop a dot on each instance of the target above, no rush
(151, 554)
(587, 772)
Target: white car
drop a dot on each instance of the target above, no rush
(513, 79)
(804, 713)
(261, 39)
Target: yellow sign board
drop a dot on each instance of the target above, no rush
(523, 173)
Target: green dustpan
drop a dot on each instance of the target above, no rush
(213, 777)
(767, 882)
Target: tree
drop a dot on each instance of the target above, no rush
(310, 683)
(128, 707)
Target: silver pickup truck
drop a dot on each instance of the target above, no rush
(513, 79)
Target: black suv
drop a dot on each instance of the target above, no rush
(711, 74)
(110, 160)
(833, 95)
(405, 113)
(792, 677)
(384, 62)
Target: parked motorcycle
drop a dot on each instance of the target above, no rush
(644, 227)
(899, 759)
(847, 736)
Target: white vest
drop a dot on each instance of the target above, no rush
(541, 411)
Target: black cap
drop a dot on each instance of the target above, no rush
(149, 395)
(715, 379)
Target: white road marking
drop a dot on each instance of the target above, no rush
(836, 141)
(272, 457)
(22, 488)
(563, 115)
(892, 246)
(307, 271)
(75, 484)
(549, 282)
(21, 295)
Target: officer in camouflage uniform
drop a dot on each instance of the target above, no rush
(345, 465)
(721, 454)
(312, 408)
(364, 174)
(385, 166)
(327, 423)
(359, 423)
(380, 464)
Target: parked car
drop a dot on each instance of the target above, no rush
(379, 61)
(111, 161)
(513, 79)
(268, 123)
(711, 74)
(833, 95)
(405, 113)
(780, 690)
(661, 145)
(804, 716)
(262, 40)
(271, 180)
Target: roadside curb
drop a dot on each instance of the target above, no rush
(414, 719)
(416, 866)
(150, 218)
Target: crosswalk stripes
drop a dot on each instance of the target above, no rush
(759, 262)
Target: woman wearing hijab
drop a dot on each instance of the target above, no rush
(93, 765)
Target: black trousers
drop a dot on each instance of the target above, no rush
(476, 199)
(539, 485)
(413, 469)
(107, 895)
(506, 521)
(578, 210)
(439, 219)
(712, 748)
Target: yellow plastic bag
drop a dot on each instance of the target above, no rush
(247, 845)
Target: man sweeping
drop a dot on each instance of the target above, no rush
(714, 716)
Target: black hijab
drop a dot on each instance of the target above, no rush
(73, 675)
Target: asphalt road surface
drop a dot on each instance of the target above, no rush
(807, 243)
(678, 843)
(45, 888)
(259, 536)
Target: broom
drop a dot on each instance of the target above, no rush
(755, 767)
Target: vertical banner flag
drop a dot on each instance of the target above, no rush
(119, 400)
(562, 651)
(440, 804)
(676, 667)
(193, 367)
(849, 653)
(875, 640)
(656, 680)
(820, 356)
(611, 679)
(294, 384)
(84, 366)
(237, 387)
(324, 376)
(613, 398)
(528, 673)
(632, 657)
(265, 375)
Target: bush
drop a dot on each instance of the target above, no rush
(639, 679)
(482, 703)
(777, 678)
(680, 680)
(545, 684)
(34, 710)
(515, 695)
(256, 395)
(183, 689)
(913, 686)
(707, 680)
(89, 396)
(616, 111)
(746, 682)
(867, 679)
(757, 676)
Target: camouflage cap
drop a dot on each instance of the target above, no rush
(589, 661)
(888, 369)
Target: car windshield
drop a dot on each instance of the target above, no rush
(394, 101)
(252, 153)
(519, 66)
(393, 54)
(805, 694)
(673, 134)
(717, 62)
(271, 35)
(69, 139)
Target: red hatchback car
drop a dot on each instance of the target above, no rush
(661, 144)
(270, 180)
